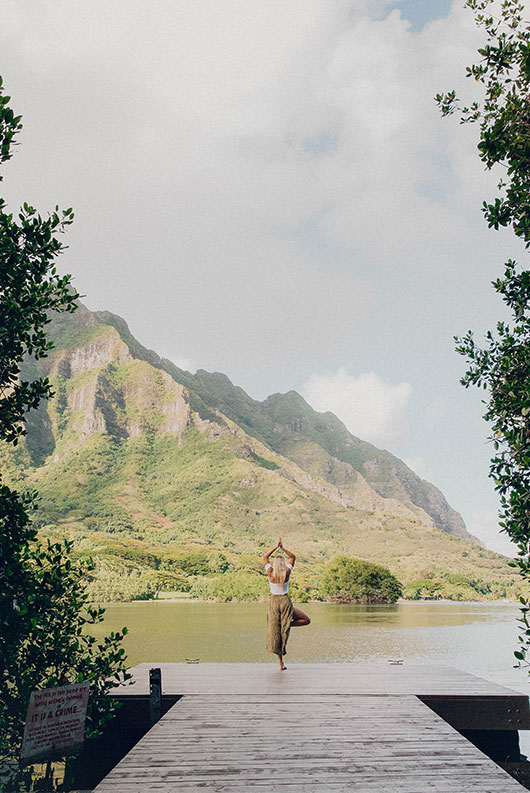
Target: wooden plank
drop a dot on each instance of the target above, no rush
(373, 744)
(359, 784)
(464, 700)
(314, 679)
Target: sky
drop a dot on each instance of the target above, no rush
(268, 190)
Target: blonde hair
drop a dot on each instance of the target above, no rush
(279, 570)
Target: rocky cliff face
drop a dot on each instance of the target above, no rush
(392, 478)
(320, 443)
(108, 384)
(102, 388)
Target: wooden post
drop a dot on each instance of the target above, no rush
(155, 695)
(48, 777)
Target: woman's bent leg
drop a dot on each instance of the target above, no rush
(299, 618)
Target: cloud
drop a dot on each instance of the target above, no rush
(435, 410)
(370, 408)
(236, 124)
(484, 524)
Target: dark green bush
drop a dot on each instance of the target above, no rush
(349, 580)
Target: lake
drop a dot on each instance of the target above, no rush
(476, 637)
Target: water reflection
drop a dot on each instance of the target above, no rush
(412, 614)
(455, 633)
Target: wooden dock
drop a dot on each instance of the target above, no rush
(316, 728)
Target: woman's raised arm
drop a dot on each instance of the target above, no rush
(266, 556)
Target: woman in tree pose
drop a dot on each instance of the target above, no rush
(281, 616)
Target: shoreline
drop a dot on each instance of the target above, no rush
(401, 602)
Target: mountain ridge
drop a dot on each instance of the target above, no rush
(405, 481)
(136, 459)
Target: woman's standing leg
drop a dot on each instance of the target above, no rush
(274, 630)
(286, 616)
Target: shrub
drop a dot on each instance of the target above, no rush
(198, 562)
(165, 580)
(349, 580)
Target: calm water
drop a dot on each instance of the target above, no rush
(475, 637)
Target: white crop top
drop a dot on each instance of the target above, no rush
(279, 589)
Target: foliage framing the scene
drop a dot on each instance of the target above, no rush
(43, 614)
(502, 365)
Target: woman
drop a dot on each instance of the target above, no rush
(281, 616)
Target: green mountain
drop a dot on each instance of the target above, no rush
(171, 477)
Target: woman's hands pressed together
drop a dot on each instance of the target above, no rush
(279, 545)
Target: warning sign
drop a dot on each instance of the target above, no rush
(55, 723)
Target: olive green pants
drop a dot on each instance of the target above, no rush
(279, 618)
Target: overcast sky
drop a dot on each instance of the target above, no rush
(267, 189)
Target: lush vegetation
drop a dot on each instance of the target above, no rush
(44, 641)
(140, 570)
(348, 580)
(450, 586)
(207, 510)
(502, 365)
